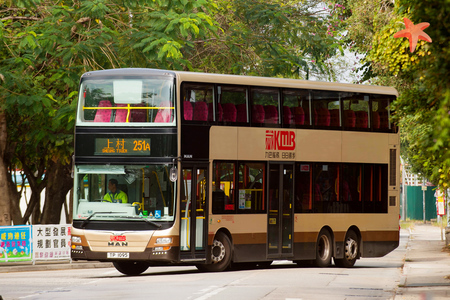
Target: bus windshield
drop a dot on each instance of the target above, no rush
(144, 101)
(118, 192)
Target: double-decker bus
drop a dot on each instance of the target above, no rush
(183, 168)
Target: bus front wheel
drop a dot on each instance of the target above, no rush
(351, 251)
(131, 268)
(323, 249)
(220, 254)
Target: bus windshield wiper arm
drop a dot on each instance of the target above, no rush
(144, 219)
(98, 212)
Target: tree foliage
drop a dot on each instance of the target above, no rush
(45, 45)
(422, 77)
(270, 38)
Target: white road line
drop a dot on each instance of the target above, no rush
(210, 294)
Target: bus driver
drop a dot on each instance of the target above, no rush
(115, 195)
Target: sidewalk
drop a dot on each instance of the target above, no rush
(426, 272)
(51, 265)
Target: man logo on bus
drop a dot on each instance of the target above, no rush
(282, 140)
(118, 238)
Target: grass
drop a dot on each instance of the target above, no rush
(407, 224)
(410, 223)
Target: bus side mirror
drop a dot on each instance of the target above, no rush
(173, 176)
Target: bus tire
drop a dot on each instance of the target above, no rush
(323, 249)
(131, 268)
(221, 253)
(351, 251)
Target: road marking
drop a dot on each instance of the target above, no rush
(210, 294)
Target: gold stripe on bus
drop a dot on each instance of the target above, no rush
(249, 238)
(380, 236)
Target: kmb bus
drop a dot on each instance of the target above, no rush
(217, 171)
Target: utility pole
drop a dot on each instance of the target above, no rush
(424, 188)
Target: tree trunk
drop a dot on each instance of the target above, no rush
(58, 185)
(16, 214)
(5, 199)
(33, 207)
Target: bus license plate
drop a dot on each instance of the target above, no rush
(118, 255)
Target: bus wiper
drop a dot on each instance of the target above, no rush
(99, 212)
(142, 218)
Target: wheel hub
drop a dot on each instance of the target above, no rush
(323, 247)
(217, 251)
(351, 249)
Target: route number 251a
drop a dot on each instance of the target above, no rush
(140, 145)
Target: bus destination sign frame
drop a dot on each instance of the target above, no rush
(123, 146)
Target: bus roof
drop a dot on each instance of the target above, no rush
(284, 83)
(247, 80)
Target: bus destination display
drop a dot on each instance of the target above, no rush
(122, 146)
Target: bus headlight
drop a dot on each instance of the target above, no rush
(76, 239)
(164, 240)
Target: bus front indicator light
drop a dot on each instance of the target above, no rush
(161, 248)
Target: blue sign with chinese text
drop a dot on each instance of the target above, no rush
(15, 243)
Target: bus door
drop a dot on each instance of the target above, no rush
(280, 216)
(193, 229)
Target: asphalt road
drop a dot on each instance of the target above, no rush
(370, 279)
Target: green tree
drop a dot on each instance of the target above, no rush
(422, 108)
(45, 45)
(271, 38)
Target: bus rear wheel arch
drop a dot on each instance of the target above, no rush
(351, 250)
(221, 254)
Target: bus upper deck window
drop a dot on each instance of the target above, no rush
(118, 101)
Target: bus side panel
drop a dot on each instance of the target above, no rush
(379, 243)
(305, 245)
(249, 252)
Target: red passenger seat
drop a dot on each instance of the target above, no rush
(139, 115)
(229, 112)
(362, 119)
(287, 115)
(164, 114)
(334, 118)
(258, 114)
(323, 117)
(103, 115)
(298, 115)
(349, 119)
(187, 110)
(200, 111)
(121, 114)
(242, 113)
(271, 114)
(375, 120)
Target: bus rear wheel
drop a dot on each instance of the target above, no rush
(351, 251)
(131, 268)
(323, 249)
(220, 254)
